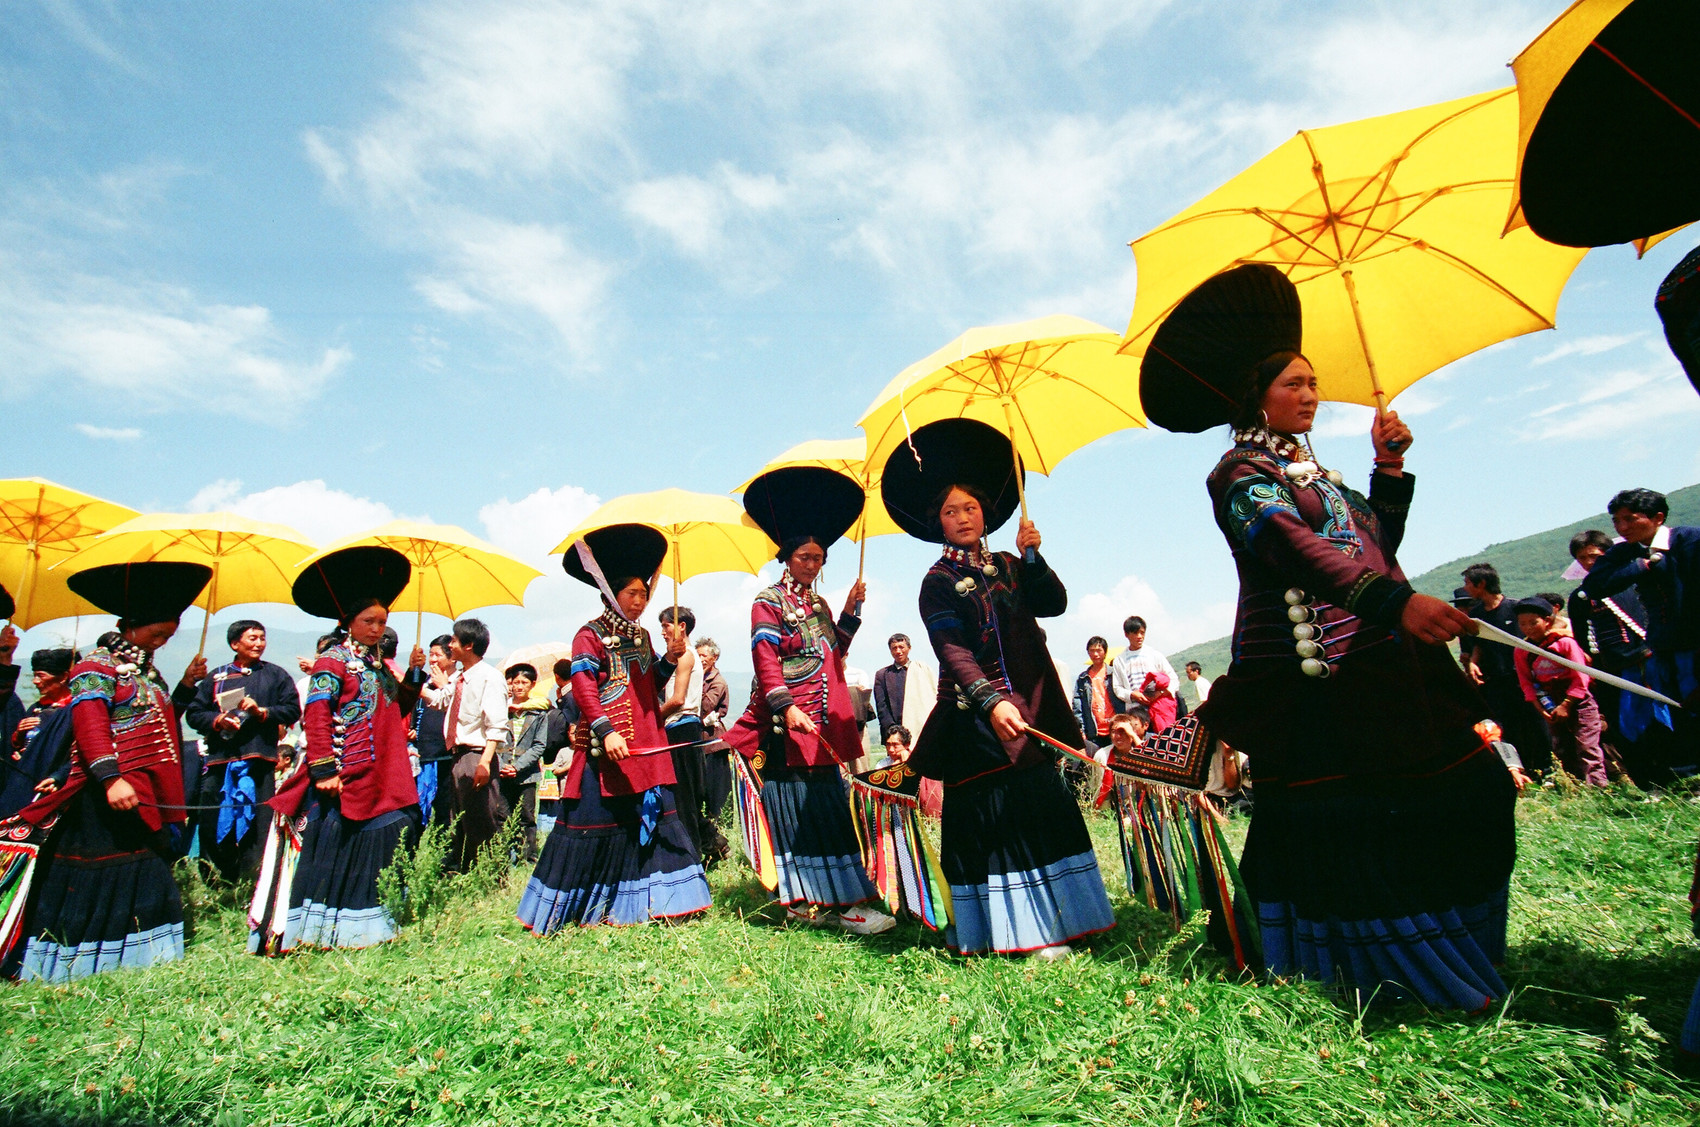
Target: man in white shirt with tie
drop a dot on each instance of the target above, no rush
(474, 700)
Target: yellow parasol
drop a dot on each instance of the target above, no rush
(453, 570)
(847, 456)
(43, 524)
(705, 532)
(1052, 385)
(1390, 228)
(1608, 139)
(252, 561)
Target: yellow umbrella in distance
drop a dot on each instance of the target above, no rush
(847, 456)
(252, 561)
(1390, 228)
(43, 524)
(1053, 385)
(705, 532)
(453, 570)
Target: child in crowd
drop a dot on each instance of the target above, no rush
(1561, 694)
(897, 747)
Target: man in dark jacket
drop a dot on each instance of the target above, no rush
(1612, 631)
(240, 709)
(1663, 565)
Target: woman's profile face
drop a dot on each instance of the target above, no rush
(1291, 401)
(633, 598)
(962, 519)
(150, 637)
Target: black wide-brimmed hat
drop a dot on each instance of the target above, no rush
(940, 455)
(619, 550)
(155, 591)
(1678, 304)
(332, 585)
(8, 607)
(1199, 364)
(804, 501)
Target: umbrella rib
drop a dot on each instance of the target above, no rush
(1490, 282)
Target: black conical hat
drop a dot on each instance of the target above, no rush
(1200, 363)
(619, 550)
(155, 591)
(939, 455)
(332, 584)
(7, 606)
(804, 501)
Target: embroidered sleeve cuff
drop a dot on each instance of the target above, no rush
(1392, 494)
(105, 768)
(779, 700)
(1378, 599)
(603, 727)
(982, 694)
(415, 676)
(320, 769)
(849, 623)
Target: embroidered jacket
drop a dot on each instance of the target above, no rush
(985, 632)
(124, 724)
(1319, 580)
(356, 722)
(798, 652)
(616, 679)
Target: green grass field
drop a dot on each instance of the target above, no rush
(736, 1020)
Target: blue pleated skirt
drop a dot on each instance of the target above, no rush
(1391, 887)
(1691, 1025)
(815, 850)
(103, 897)
(594, 869)
(333, 901)
(1020, 864)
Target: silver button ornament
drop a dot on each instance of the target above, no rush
(1299, 614)
(1336, 477)
(1315, 667)
(1294, 597)
(965, 585)
(1304, 632)
(989, 569)
(1308, 649)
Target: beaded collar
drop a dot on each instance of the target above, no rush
(127, 653)
(1299, 461)
(613, 626)
(969, 557)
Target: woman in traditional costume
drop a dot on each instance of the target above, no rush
(101, 896)
(1381, 847)
(354, 801)
(1014, 848)
(619, 853)
(801, 725)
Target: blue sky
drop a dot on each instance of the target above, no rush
(490, 262)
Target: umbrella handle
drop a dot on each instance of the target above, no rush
(1028, 555)
(1369, 358)
(862, 559)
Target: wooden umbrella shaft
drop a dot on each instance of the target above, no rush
(1363, 343)
(1028, 555)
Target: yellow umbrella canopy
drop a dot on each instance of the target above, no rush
(1390, 228)
(848, 457)
(705, 531)
(252, 561)
(1608, 139)
(1052, 384)
(43, 524)
(453, 570)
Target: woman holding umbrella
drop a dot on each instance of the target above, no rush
(102, 896)
(801, 725)
(1013, 845)
(355, 800)
(619, 853)
(1382, 845)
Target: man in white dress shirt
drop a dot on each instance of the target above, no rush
(474, 700)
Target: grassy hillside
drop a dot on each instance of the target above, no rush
(737, 1021)
(1526, 567)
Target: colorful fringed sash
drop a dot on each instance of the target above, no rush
(20, 849)
(752, 823)
(1175, 853)
(269, 909)
(885, 805)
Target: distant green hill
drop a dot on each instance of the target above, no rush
(1526, 567)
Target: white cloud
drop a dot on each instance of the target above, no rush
(158, 345)
(109, 434)
(1167, 628)
(312, 508)
(1586, 346)
(533, 525)
(1393, 57)
(526, 266)
(1621, 403)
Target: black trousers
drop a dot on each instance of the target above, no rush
(716, 780)
(521, 801)
(481, 809)
(689, 789)
(234, 858)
